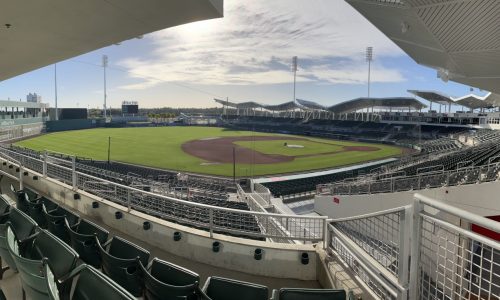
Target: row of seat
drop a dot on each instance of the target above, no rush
(53, 265)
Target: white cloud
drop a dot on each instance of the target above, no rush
(254, 43)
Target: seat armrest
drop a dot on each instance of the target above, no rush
(71, 274)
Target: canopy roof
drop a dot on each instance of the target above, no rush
(458, 38)
(347, 106)
(291, 105)
(40, 33)
(362, 103)
(471, 101)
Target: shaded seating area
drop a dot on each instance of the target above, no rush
(49, 266)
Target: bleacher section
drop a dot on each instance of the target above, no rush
(342, 129)
(302, 185)
(440, 145)
(68, 262)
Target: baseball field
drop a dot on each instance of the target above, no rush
(209, 150)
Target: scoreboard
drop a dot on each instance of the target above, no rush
(130, 108)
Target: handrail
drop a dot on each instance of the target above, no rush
(373, 214)
(347, 185)
(476, 219)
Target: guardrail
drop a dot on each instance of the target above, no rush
(427, 250)
(214, 219)
(466, 175)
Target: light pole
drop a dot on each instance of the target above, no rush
(104, 65)
(55, 88)
(369, 58)
(294, 69)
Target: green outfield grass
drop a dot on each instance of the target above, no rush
(160, 147)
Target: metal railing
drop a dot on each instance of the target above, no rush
(424, 251)
(450, 260)
(466, 175)
(259, 225)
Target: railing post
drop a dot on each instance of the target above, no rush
(73, 172)
(44, 170)
(415, 249)
(404, 248)
(326, 234)
(211, 221)
(21, 171)
(129, 207)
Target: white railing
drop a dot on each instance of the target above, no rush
(259, 225)
(424, 251)
(466, 175)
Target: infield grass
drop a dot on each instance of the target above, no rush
(160, 147)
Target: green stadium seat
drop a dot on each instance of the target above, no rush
(83, 239)
(56, 224)
(35, 211)
(218, 288)
(308, 294)
(89, 284)
(121, 263)
(22, 199)
(4, 210)
(164, 280)
(23, 226)
(49, 204)
(32, 254)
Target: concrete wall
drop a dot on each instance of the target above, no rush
(280, 261)
(480, 199)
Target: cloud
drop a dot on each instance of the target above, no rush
(254, 42)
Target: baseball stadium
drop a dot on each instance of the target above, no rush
(384, 198)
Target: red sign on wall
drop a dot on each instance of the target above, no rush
(336, 200)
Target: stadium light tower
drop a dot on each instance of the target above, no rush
(55, 88)
(294, 69)
(369, 58)
(104, 65)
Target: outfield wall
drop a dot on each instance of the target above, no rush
(75, 124)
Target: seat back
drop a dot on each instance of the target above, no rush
(311, 294)
(32, 254)
(22, 201)
(4, 210)
(83, 240)
(4, 205)
(90, 284)
(35, 211)
(49, 204)
(218, 288)
(56, 224)
(164, 280)
(120, 263)
(22, 225)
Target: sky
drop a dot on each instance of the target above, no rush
(245, 56)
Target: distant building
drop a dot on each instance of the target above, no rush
(35, 98)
